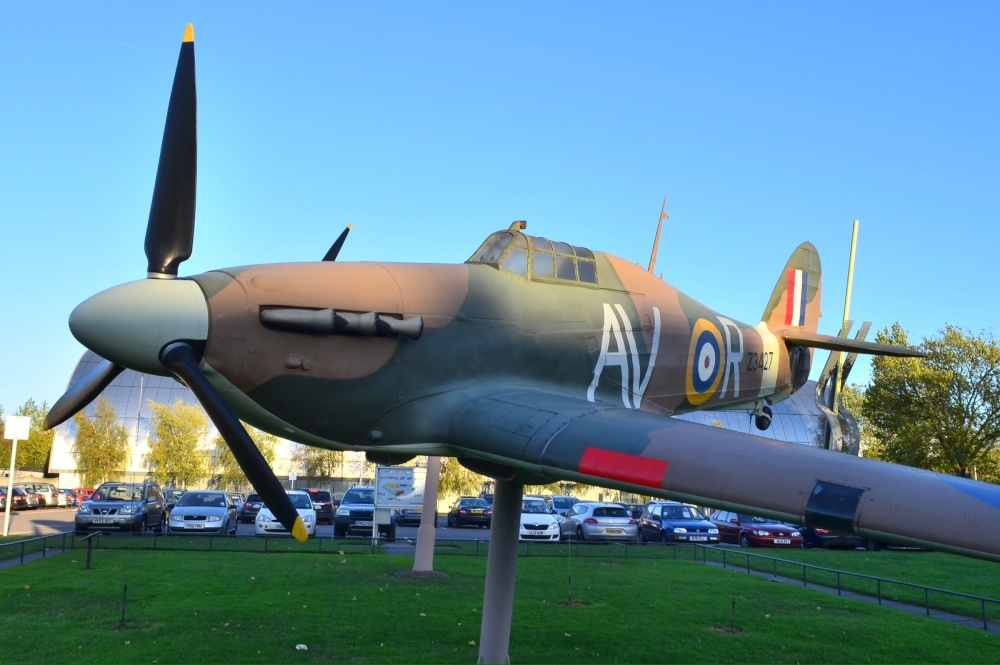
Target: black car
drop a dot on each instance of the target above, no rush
(470, 511)
(356, 515)
(673, 522)
(830, 540)
(322, 501)
(250, 508)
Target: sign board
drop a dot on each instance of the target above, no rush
(17, 427)
(399, 486)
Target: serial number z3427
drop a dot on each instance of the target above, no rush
(759, 361)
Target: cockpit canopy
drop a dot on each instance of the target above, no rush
(537, 258)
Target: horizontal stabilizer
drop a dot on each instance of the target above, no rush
(798, 337)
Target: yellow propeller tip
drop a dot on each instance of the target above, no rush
(189, 33)
(351, 225)
(299, 531)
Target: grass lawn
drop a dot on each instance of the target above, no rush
(240, 606)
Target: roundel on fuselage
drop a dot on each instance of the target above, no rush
(706, 357)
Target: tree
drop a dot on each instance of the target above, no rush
(941, 412)
(33, 452)
(101, 446)
(319, 463)
(456, 480)
(231, 476)
(175, 451)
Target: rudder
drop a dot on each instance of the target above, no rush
(795, 302)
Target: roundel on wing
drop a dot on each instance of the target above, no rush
(705, 362)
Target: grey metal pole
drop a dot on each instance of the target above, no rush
(501, 569)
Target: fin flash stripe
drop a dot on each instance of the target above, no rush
(795, 298)
(623, 467)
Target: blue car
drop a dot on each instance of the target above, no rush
(673, 522)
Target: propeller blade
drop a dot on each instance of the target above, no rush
(82, 393)
(334, 250)
(181, 360)
(170, 231)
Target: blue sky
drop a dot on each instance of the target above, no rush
(430, 125)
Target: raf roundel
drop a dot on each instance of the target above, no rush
(706, 357)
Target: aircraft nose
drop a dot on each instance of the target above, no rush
(129, 324)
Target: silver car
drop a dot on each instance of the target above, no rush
(209, 512)
(593, 520)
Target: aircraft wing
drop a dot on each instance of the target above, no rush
(557, 437)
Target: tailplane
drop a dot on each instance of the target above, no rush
(795, 302)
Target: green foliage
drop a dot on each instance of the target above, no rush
(33, 452)
(319, 463)
(941, 412)
(175, 453)
(101, 445)
(456, 480)
(231, 476)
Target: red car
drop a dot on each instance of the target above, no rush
(83, 493)
(752, 531)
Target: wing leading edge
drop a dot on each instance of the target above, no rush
(555, 437)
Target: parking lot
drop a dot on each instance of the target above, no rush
(58, 520)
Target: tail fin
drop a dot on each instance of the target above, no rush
(795, 302)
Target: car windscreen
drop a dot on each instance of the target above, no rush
(118, 492)
(359, 496)
(534, 507)
(319, 495)
(203, 500)
(474, 503)
(301, 500)
(253, 498)
(682, 513)
(564, 502)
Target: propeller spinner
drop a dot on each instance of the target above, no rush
(159, 325)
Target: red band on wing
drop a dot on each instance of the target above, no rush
(624, 467)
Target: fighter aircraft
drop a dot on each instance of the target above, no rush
(533, 361)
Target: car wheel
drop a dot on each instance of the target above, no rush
(579, 533)
(744, 541)
(163, 525)
(143, 525)
(339, 533)
(451, 522)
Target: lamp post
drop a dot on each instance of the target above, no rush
(15, 427)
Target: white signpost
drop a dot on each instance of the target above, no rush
(396, 487)
(16, 428)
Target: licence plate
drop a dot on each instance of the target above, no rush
(782, 541)
(361, 523)
(614, 531)
(536, 533)
(477, 512)
(698, 538)
(104, 520)
(194, 525)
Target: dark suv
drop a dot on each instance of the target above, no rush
(250, 508)
(356, 515)
(322, 501)
(123, 507)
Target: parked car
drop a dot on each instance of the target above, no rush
(561, 503)
(38, 499)
(123, 507)
(831, 540)
(203, 511)
(356, 515)
(82, 494)
(635, 509)
(538, 521)
(267, 524)
(595, 520)
(250, 508)
(752, 531)
(487, 497)
(66, 498)
(470, 511)
(22, 500)
(238, 500)
(171, 495)
(409, 517)
(673, 522)
(323, 504)
(48, 494)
